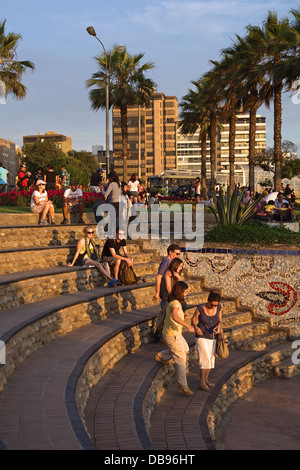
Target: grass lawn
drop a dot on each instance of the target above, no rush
(26, 210)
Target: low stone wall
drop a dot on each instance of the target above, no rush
(43, 331)
(242, 381)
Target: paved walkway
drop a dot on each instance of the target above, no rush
(268, 418)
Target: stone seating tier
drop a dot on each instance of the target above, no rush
(64, 351)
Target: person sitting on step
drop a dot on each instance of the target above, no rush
(39, 203)
(87, 255)
(73, 202)
(111, 253)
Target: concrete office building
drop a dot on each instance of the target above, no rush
(189, 149)
(151, 137)
(61, 141)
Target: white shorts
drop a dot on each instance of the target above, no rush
(206, 349)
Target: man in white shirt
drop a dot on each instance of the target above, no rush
(73, 202)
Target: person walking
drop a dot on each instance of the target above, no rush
(207, 321)
(172, 335)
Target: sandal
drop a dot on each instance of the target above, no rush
(204, 388)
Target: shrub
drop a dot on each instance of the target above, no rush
(253, 232)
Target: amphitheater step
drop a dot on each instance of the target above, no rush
(262, 341)
(45, 257)
(287, 369)
(34, 412)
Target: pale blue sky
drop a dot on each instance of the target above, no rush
(179, 36)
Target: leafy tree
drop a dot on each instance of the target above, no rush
(128, 87)
(11, 69)
(290, 166)
(80, 165)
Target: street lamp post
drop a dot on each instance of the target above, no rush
(92, 32)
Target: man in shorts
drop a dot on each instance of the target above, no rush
(73, 203)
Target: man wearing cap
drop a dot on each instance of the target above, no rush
(73, 203)
(39, 203)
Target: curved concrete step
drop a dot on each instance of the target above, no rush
(38, 409)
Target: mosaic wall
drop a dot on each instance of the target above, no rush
(267, 279)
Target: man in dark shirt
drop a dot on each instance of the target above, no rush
(111, 252)
(172, 251)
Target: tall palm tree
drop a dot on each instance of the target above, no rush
(275, 40)
(11, 69)
(128, 87)
(251, 89)
(231, 101)
(193, 117)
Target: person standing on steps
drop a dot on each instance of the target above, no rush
(173, 251)
(207, 321)
(173, 338)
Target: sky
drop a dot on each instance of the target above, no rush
(179, 36)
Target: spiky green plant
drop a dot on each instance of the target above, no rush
(230, 210)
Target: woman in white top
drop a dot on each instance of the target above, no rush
(39, 203)
(133, 185)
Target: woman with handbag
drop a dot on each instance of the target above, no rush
(207, 320)
(87, 255)
(174, 322)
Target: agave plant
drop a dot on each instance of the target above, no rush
(231, 210)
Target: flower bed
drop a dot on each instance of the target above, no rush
(22, 198)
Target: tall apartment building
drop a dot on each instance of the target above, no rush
(61, 141)
(151, 137)
(189, 150)
(9, 158)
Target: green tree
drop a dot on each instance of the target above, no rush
(11, 69)
(290, 163)
(193, 117)
(128, 87)
(276, 41)
(80, 165)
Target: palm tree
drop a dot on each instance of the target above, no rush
(195, 116)
(274, 41)
(229, 91)
(11, 69)
(251, 89)
(128, 87)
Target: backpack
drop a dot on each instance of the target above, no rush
(126, 274)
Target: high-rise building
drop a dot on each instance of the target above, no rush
(9, 158)
(189, 149)
(61, 141)
(151, 137)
